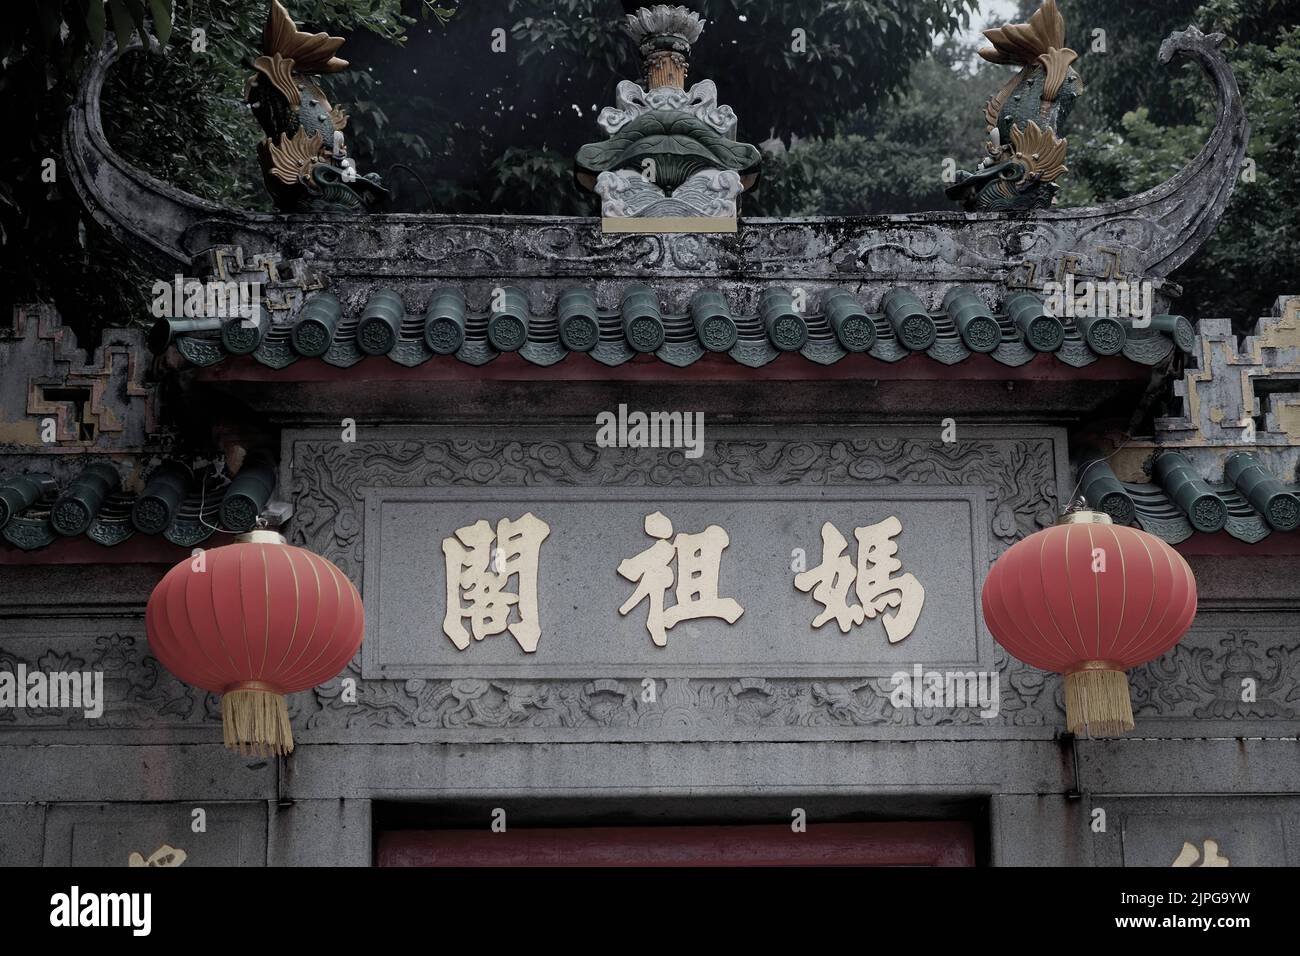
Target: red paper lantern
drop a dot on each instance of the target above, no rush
(1090, 599)
(253, 621)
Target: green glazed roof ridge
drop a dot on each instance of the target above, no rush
(680, 345)
(1159, 511)
(199, 514)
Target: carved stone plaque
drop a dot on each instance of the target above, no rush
(771, 534)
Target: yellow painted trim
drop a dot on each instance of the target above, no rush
(669, 224)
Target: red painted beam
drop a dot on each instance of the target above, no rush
(646, 368)
(1221, 543)
(948, 843)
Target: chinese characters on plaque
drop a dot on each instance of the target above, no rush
(699, 561)
(875, 586)
(481, 563)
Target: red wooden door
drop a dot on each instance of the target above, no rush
(825, 844)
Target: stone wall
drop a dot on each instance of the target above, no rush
(1202, 764)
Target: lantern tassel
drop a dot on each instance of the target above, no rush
(256, 721)
(1097, 701)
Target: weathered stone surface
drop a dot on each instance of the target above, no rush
(97, 772)
(591, 530)
(812, 767)
(1236, 428)
(99, 404)
(1248, 831)
(1143, 765)
(1237, 394)
(320, 833)
(22, 833)
(1194, 690)
(1015, 817)
(107, 834)
(330, 475)
(1243, 394)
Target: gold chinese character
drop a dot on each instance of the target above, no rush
(1189, 855)
(478, 573)
(163, 856)
(876, 587)
(699, 557)
(830, 582)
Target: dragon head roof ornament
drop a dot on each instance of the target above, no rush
(304, 156)
(671, 152)
(1026, 153)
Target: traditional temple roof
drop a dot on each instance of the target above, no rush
(174, 503)
(1249, 504)
(380, 324)
(993, 255)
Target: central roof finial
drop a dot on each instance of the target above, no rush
(670, 161)
(664, 34)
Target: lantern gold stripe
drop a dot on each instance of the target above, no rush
(266, 608)
(297, 610)
(210, 567)
(304, 666)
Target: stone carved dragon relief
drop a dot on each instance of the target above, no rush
(138, 691)
(1199, 680)
(698, 705)
(328, 520)
(1207, 682)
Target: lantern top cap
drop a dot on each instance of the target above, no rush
(1084, 517)
(260, 536)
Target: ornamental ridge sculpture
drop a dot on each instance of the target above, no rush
(304, 156)
(1025, 153)
(1146, 236)
(671, 152)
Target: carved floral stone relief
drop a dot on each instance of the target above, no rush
(1200, 680)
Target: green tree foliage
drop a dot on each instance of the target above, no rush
(788, 66)
(1143, 133)
(505, 94)
(1119, 63)
(889, 158)
(1138, 123)
(44, 246)
(176, 111)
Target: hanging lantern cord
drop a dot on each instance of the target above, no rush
(1081, 504)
